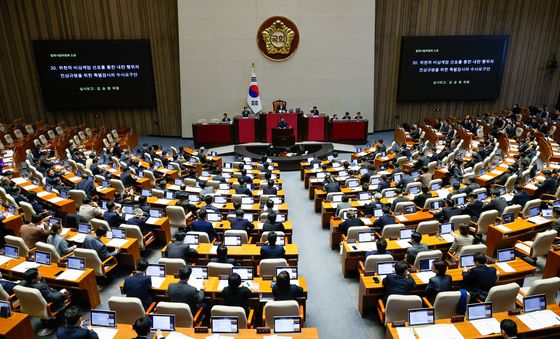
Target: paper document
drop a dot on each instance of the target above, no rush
(367, 221)
(405, 333)
(448, 237)
(42, 194)
(4, 259)
(538, 220)
(19, 180)
(177, 335)
(222, 284)
(163, 201)
(196, 283)
(157, 281)
(486, 326)
(116, 242)
(106, 332)
(30, 187)
(404, 243)
(152, 220)
(70, 274)
(497, 172)
(505, 267)
(531, 187)
(174, 187)
(438, 331)
(80, 237)
(214, 250)
(247, 207)
(486, 177)
(442, 193)
(55, 200)
(367, 246)
(401, 218)
(24, 266)
(425, 276)
(540, 319)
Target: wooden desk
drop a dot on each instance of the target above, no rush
(65, 206)
(469, 331)
(256, 232)
(16, 326)
(86, 285)
(552, 266)
(519, 229)
(126, 332)
(130, 252)
(162, 229)
(370, 291)
(13, 223)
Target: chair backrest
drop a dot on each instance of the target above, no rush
(486, 219)
(510, 182)
(543, 242)
(267, 267)
(51, 134)
(355, 230)
(515, 209)
(331, 194)
(457, 220)
(231, 311)
(100, 223)
(237, 197)
(264, 236)
(399, 206)
(127, 309)
(43, 246)
(92, 260)
(445, 304)
(530, 204)
(9, 139)
(78, 196)
(28, 210)
(284, 308)
(181, 311)
(398, 305)
(31, 302)
(59, 130)
(177, 217)
(471, 249)
(411, 185)
(434, 254)
(150, 176)
(242, 233)
(428, 227)
(190, 182)
(133, 231)
(549, 286)
(216, 269)
(392, 230)
(429, 201)
(172, 265)
(18, 134)
(503, 297)
(19, 243)
(374, 259)
(117, 185)
(4, 296)
(158, 193)
(341, 211)
(202, 236)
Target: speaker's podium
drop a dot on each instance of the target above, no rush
(283, 137)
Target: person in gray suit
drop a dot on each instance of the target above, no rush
(183, 292)
(497, 203)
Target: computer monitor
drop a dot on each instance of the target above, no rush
(223, 186)
(204, 174)
(435, 205)
(316, 166)
(280, 217)
(358, 149)
(199, 272)
(502, 190)
(250, 217)
(84, 228)
(214, 217)
(321, 175)
(11, 251)
(384, 268)
(481, 172)
(421, 316)
(425, 265)
(445, 228)
(506, 254)
(275, 200)
(247, 201)
(378, 212)
(366, 237)
(5, 309)
(406, 233)
(104, 204)
(155, 270)
(228, 165)
(375, 180)
(435, 186)
(178, 182)
(353, 183)
(459, 201)
(156, 213)
(11, 209)
(287, 324)
(43, 258)
(191, 239)
(337, 197)
(53, 220)
(128, 209)
(397, 177)
(547, 213)
(118, 233)
(76, 263)
(193, 198)
(479, 311)
(534, 303)
(64, 194)
(219, 199)
(414, 190)
(169, 195)
(103, 318)
(280, 240)
(224, 325)
(482, 196)
(147, 193)
(292, 271)
(48, 188)
(415, 174)
(232, 240)
(455, 181)
(467, 260)
(390, 193)
(245, 272)
(140, 174)
(507, 218)
(409, 209)
(534, 211)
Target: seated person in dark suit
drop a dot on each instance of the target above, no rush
(86, 185)
(242, 189)
(246, 112)
(420, 199)
(448, 211)
(247, 179)
(126, 177)
(520, 196)
(73, 328)
(95, 243)
(331, 185)
(283, 290)
(32, 279)
(381, 245)
(236, 295)
(182, 292)
(272, 224)
(398, 198)
(474, 208)
(201, 225)
(7, 285)
(112, 216)
(497, 203)
(282, 123)
(178, 249)
(139, 284)
(271, 250)
(314, 111)
(350, 222)
(440, 283)
(139, 220)
(555, 224)
(346, 116)
(142, 327)
(385, 219)
(400, 282)
(479, 279)
(208, 200)
(549, 185)
(343, 204)
(241, 224)
(417, 247)
(270, 189)
(222, 256)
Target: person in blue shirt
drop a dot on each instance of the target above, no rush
(112, 217)
(126, 177)
(139, 284)
(271, 250)
(32, 197)
(381, 245)
(241, 224)
(139, 219)
(95, 243)
(201, 225)
(400, 282)
(74, 326)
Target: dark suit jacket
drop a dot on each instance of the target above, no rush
(270, 190)
(520, 198)
(50, 294)
(139, 285)
(237, 297)
(346, 224)
(498, 204)
(243, 190)
(548, 186)
(273, 226)
(447, 213)
(127, 180)
(241, 224)
(181, 250)
(87, 186)
(184, 293)
(439, 283)
(331, 187)
(420, 199)
(230, 261)
(75, 332)
(479, 280)
(140, 222)
(397, 284)
(113, 218)
(474, 209)
(291, 293)
(272, 252)
(384, 220)
(204, 226)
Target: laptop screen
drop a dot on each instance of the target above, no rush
(482, 196)
(408, 209)
(228, 165)
(162, 322)
(292, 271)
(245, 272)
(547, 213)
(321, 175)
(276, 200)
(103, 318)
(421, 316)
(397, 177)
(384, 268)
(224, 186)
(435, 205)
(155, 213)
(414, 190)
(214, 217)
(218, 199)
(147, 193)
(366, 237)
(467, 260)
(287, 324)
(232, 240)
(224, 324)
(507, 218)
(460, 200)
(337, 197)
(199, 272)
(53, 220)
(247, 201)
(84, 228)
(280, 240)
(191, 239)
(436, 186)
(406, 233)
(48, 188)
(375, 180)
(250, 217)
(155, 270)
(118, 233)
(43, 258)
(169, 195)
(534, 303)
(426, 265)
(353, 183)
(11, 251)
(507, 254)
(193, 198)
(76, 263)
(64, 194)
(390, 193)
(280, 217)
(445, 228)
(365, 196)
(534, 211)
(479, 311)
(128, 209)
(378, 212)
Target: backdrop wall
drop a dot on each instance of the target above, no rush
(332, 68)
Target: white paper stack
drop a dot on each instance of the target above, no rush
(42, 194)
(438, 331)
(24, 266)
(505, 267)
(538, 220)
(486, 326)
(540, 319)
(4, 259)
(116, 243)
(177, 335)
(367, 246)
(80, 237)
(106, 332)
(425, 276)
(401, 218)
(19, 181)
(405, 332)
(448, 237)
(157, 281)
(163, 201)
(404, 243)
(197, 283)
(151, 220)
(55, 200)
(70, 274)
(503, 228)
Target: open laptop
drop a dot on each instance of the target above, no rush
(436, 205)
(169, 195)
(191, 239)
(459, 201)
(405, 233)
(276, 200)
(287, 324)
(250, 217)
(199, 272)
(506, 254)
(467, 260)
(547, 213)
(224, 186)
(534, 211)
(214, 217)
(425, 265)
(220, 200)
(84, 228)
(118, 233)
(280, 217)
(374, 180)
(193, 198)
(162, 322)
(232, 240)
(76, 263)
(53, 220)
(224, 325)
(5, 309)
(353, 183)
(385, 268)
(337, 197)
(155, 270)
(390, 193)
(435, 186)
(534, 303)
(64, 194)
(378, 212)
(280, 240)
(245, 272)
(247, 201)
(146, 193)
(292, 271)
(409, 209)
(479, 311)
(11, 251)
(321, 175)
(128, 209)
(43, 258)
(364, 196)
(421, 316)
(103, 318)
(156, 213)
(445, 228)
(414, 190)
(482, 196)
(397, 177)
(366, 237)
(507, 218)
